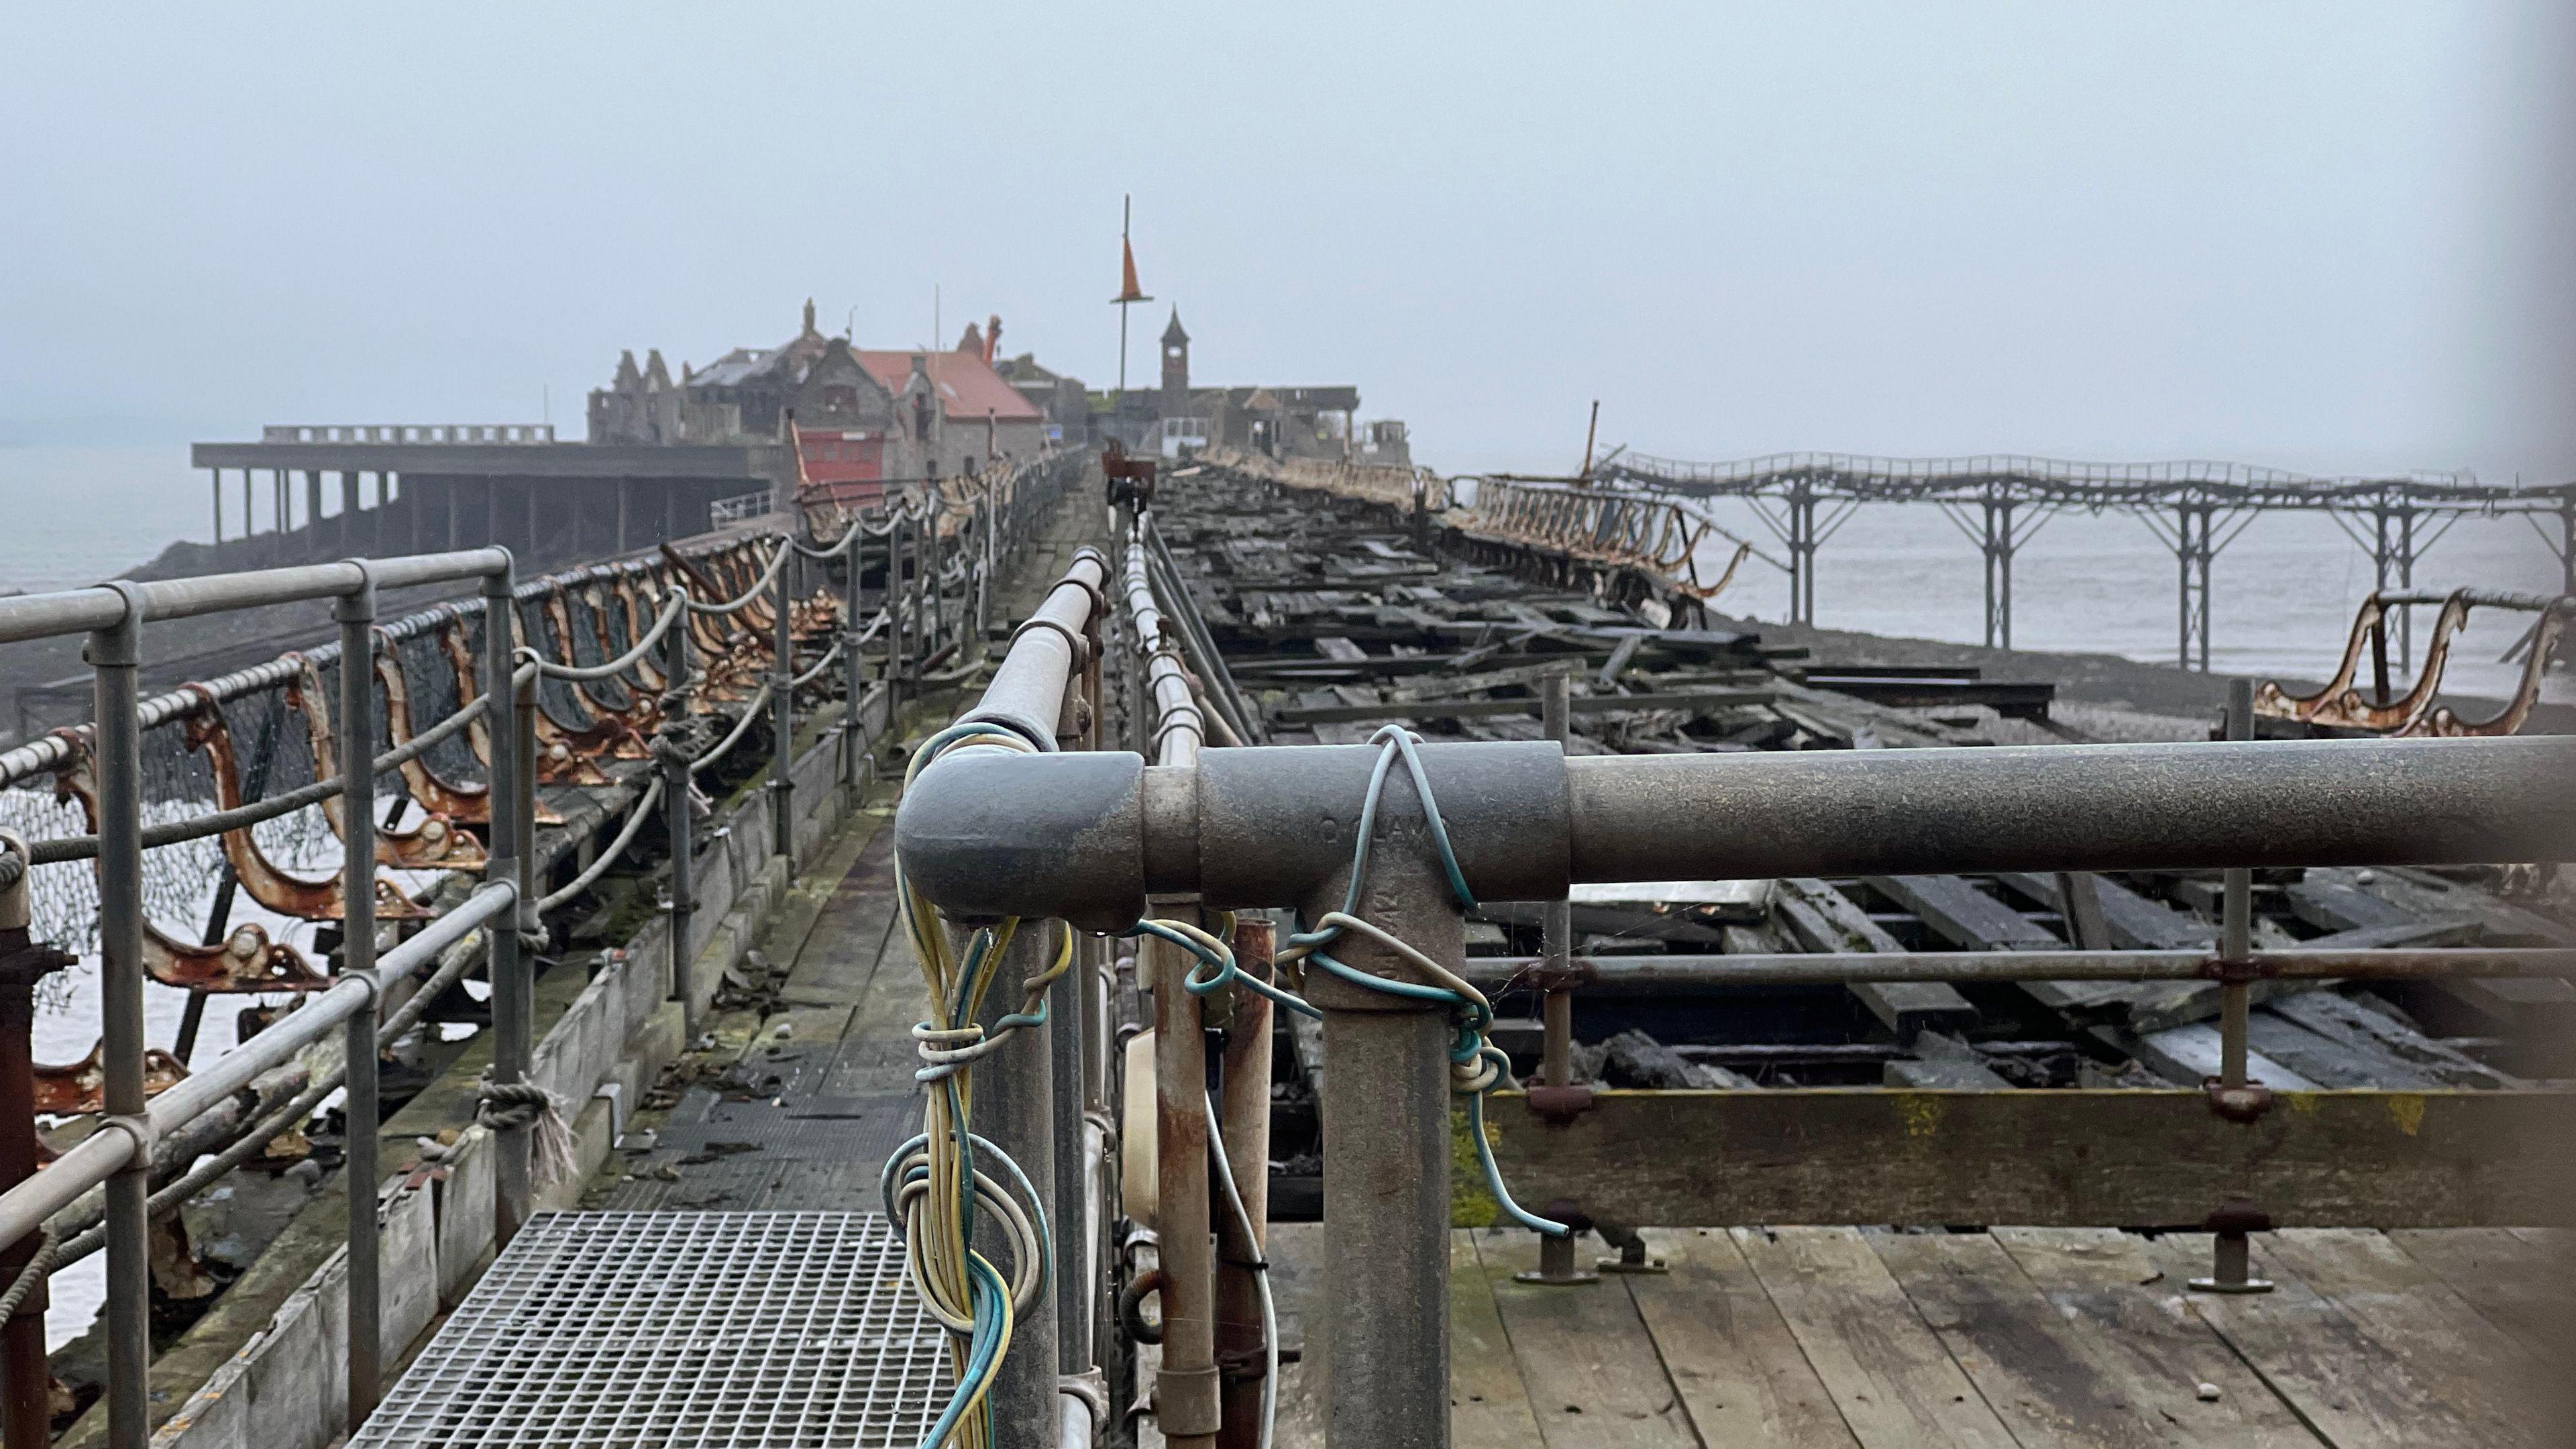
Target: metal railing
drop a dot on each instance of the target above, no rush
(591, 661)
(512, 433)
(1089, 838)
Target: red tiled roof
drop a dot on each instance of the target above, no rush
(969, 388)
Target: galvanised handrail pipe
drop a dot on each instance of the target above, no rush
(117, 1157)
(1179, 729)
(1027, 692)
(1088, 837)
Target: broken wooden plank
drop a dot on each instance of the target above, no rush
(1585, 704)
(1963, 915)
(1824, 919)
(2189, 1055)
(2391, 1052)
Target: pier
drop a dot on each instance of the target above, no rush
(1765, 1048)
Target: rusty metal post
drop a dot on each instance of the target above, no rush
(1186, 1398)
(510, 775)
(782, 706)
(1556, 1062)
(115, 656)
(26, 1410)
(1386, 1147)
(2231, 1266)
(355, 613)
(1244, 1115)
(1013, 1097)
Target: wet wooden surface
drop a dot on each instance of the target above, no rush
(2016, 1338)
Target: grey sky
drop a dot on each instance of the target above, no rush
(2324, 236)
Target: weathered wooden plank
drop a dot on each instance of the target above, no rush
(2070, 1158)
(1824, 919)
(2136, 922)
(1740, 1373)
(1965, 916)
(2049, 1381)
(2350, 899)
(1946, 1074)
(2370, 1030)
(2141, 1325)
(1896, 1386)
(2477, 1368)
(2186, 1055)
(1590, 1366)
(2355, 1393)
(1489, 1407)
(2519, 1285)
(1696, 699)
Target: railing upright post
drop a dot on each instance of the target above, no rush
(899, 552)
(356, 614)
(932, 549)
(1244, 1116)
(1014, 1100)
(509, 776)
(676, 819)
(854, 735)
(1556, 1008)
(1187, 1393)
(1386, 1163)
(115, 654)
(782, 707)
(2231, 1252)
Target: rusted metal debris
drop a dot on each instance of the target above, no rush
(435, 843)
(2344, 705)
(70, 1089)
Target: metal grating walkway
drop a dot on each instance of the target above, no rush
(746, 1330)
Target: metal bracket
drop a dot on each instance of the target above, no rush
(2248, 1103)
(1560, 1105)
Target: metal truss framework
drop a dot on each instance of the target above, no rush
(2195, 508)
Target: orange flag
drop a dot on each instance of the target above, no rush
(1128, 291)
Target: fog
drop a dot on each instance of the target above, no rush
(2321, 236)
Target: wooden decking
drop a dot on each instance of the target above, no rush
(1848, 1338)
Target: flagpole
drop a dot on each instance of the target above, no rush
(1129, 294)
(1126, 215)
